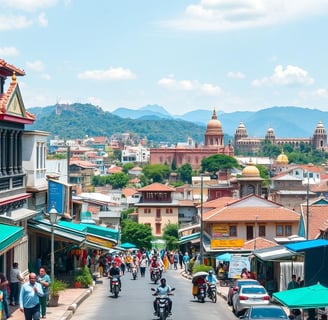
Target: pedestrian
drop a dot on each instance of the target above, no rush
(180, 259)
(186, 260)
(293, 284)
(45, 282)
(175, 260)
(29, 296)
(15, 279)
(3, 287)
(1, 298)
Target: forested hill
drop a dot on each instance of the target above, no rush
(78, 120)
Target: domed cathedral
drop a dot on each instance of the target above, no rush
(320, 137)
(213, 144)
(250, 181)
(246, 145)
(281, 163)
(214, 135)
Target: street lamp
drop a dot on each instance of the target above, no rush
(53, 214)
(307, 206)
(201, 221)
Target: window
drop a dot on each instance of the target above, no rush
(169, 210)
(158, 228)
(233, 231)
(261, 231)
(147, 210)
(283, 230)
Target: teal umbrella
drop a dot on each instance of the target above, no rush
(315, 296)
(127, 245)
(225, 257)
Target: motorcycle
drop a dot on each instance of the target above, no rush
(134, 272)
(115, 289)
(211, 291)
(201, 294)
(155, 275)
(162, 305)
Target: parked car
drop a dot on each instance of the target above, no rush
(236, 285)
(247, 296)
(267, 312)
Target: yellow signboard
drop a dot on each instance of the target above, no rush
(220, 230)
(99, 241)
(227, 243)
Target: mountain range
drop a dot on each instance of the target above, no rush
(158, 125)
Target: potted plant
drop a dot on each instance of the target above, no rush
(83, 277)
(54, 289)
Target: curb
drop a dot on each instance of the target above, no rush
(73, 307)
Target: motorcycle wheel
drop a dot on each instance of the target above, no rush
(134, 276)
(116, 292)
(162, 315)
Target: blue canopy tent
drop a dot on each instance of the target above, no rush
(127, 245)
(225, 257)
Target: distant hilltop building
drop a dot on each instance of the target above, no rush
(193, 153)
(244, 144)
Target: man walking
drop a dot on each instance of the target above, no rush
(29, 296)
(3, 288)
(15, 279)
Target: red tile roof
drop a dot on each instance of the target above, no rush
(157, 187)
(318, 219)
(129, 192)
(83, 164)
(258, 243)
(114, 169)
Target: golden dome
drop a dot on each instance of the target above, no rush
(282, 158)
(214, 123)
(250, 170)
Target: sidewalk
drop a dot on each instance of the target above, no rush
(69, 300)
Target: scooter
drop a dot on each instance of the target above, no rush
(155, 275)
(134, 272)
(115, 289)
(162, 305)
(211, 289)
(201, 294)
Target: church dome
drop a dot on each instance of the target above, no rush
(282, 158)
(214, 123)
(320, 128)
(250, 170)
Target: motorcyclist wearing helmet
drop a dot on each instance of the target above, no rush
(210, 279)
(114, 271)
(165, 290)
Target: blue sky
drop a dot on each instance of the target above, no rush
(234, 55)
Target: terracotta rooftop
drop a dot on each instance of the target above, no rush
(83, 164)
(250, 214)
(129, 192)
(258, 243)
(157, 187)
(114, 169)
(318, 219)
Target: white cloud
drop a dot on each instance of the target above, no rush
(290, 76)
(9, 51)
(109, 74)
(12, 22)
(189, 85)
(95, 101)
(35, 65)
(321, 92)
(43, 21)
(220, 15)
(29, 6)
(235, 75)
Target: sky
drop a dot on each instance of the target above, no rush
(184, 55)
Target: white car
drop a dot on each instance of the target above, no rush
(247, 296)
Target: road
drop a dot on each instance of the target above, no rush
(135, 301)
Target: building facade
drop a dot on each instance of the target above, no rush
(246, 145)
(194, 154)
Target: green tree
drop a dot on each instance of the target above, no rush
(138, 234)
(218, 162)
(185, 172)
(127, 166)
(125, 213)
(156, 172)
(174, 164)
(118, 180)
(170, 234)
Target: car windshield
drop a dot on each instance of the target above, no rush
(253, 290)
(246, 282)
(263, 313)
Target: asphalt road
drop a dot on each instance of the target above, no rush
(135, 301)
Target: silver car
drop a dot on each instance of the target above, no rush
(270, 312)
(247, 296)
